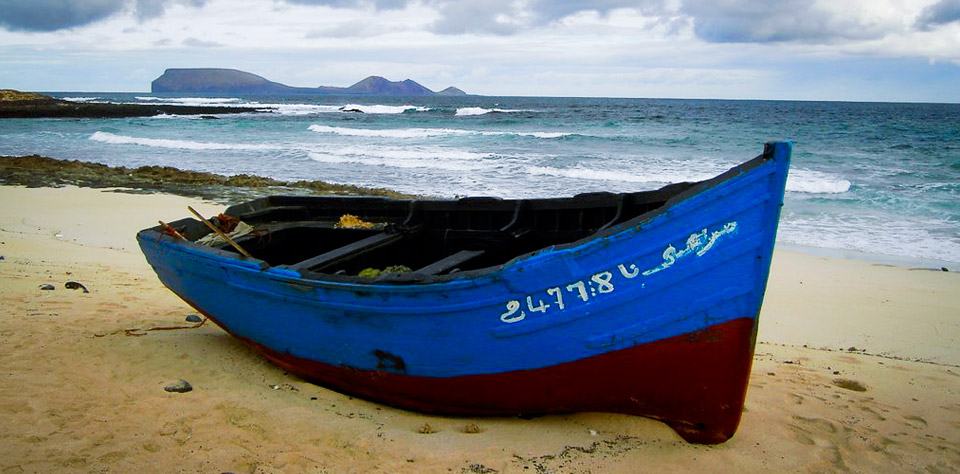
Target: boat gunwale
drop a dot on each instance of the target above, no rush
(467, 278)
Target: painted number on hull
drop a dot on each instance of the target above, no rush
(602, 283)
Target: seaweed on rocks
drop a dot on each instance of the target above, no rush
(16, 104)
(39, 171)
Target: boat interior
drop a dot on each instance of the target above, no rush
(431, 238)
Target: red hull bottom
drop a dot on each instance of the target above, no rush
(696, 383)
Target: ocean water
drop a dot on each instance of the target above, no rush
(877, 178)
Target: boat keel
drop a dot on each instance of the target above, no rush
(696, 383)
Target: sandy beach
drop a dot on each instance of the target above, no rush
(857, 370)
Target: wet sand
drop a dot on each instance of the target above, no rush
(83, 374)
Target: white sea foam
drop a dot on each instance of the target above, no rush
(388, 133)
(107, 137)
(424, 132)
(800, 181)
(295, 109)
(815, 182)
(620, 175)
(432, 158)
(468, 111)
(189, 100)
(381, 109)
(194, 101)
(871, 234)
(543, 134)
(80, 99)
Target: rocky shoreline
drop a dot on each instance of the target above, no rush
(38, 171)
(16, 104)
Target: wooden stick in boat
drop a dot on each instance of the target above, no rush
(169, 229)
(220, 233)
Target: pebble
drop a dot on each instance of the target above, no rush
(47, 286)
(75, 285)
(180, 386)
(193, 318)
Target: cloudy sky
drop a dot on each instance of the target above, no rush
(860, 50)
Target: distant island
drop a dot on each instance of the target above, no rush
(232, 81)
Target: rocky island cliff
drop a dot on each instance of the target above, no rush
(232, 81)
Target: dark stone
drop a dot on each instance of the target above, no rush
(62, 108)
(193, 318)
(47, 286)
(180, 386)
(75, 285)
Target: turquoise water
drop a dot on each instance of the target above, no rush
(871, 177)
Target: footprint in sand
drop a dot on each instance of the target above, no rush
(178, 431)
(795, 398)
(813, 431)
(873, 412)
(915, 422)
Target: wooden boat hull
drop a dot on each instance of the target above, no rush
(655, 316)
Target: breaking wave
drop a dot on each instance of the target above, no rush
(816, 182)
(424, 132)
(194, 101)
(296, 109)
(107, 137)
(468, 111)
(433, 158)
(382, 109)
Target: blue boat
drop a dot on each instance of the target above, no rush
(641, 303)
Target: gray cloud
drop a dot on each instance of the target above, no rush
(940, 13)
(147, 9)
(378, 4)
(748, 21)
(198, 43)
(717, 21)
(504, 17)
(52, 15)
(551, 10)
(500, 17)
(477, 16)
(353, 29)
